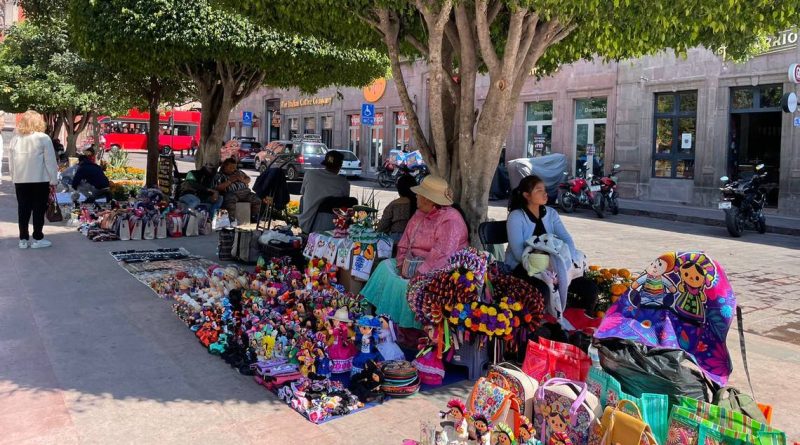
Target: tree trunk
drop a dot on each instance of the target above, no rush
(217, 106)
(72, 136)
(153, 101)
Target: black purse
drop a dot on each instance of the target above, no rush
(53, 213)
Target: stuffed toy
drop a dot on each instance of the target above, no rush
(342, 350)
(366, 385)
(387, 344)
(366, 343)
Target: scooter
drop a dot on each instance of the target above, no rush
(389, 173)
(577, 191)
(743, 203)
(608, 188)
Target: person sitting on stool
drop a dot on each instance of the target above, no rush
(321, 184)
(234, 186)
(90, 180)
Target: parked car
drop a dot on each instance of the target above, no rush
(295, 156)
(248, 149)
(351, 167)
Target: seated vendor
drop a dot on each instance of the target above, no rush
(90, 180)
(319, 185)
(529, 216)
(433, 234)
(396, 215)
(198, 188)
(233, 184)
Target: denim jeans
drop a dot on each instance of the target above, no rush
(192, 201)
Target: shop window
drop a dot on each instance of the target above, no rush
(675, 134)
(539, 127)
(294, 127)
(327, 131)
(354, 132)
(310, 125)
(401, 131)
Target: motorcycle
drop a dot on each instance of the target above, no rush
(389, 173)
(743, 203)
(577, 191)
(608, 188)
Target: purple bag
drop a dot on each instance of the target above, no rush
(565, 409)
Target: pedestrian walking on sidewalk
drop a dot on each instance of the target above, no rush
(32, 163)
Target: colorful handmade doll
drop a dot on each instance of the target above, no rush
(527, 433)
(388, 340)
(322, 362)
(429, 361)
(457, 412)
(696, 273)
(342, 350)
(503, 435)
(366, 384)
(307, 362)
(480, 430)
(367, 342)
(653, 285)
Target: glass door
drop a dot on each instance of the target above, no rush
(376, 148)
(540, 136)
(590, 134)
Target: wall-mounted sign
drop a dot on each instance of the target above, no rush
(794, 73)
(306, 102)
(797, 122)
(374, 92)
(686, 141)
(789, 103)
(785, 40)
(276, 119)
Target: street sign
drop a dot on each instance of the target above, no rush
(789, 102)
(247, 118)
(794, 73)
(368, 114)
(797, 122)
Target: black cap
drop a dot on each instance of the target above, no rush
(333, 159)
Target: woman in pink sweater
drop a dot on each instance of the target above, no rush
(434, 233)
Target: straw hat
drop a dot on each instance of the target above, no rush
(342, 315)
(435, 189)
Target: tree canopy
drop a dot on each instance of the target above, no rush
(224, 53)
(507, 39)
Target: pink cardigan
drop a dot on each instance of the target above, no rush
(433, 236)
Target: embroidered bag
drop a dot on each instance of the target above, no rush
(508, 376)
(496, 403)
(565, 411)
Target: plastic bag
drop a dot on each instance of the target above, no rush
(640, 369)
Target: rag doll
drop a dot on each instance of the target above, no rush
(366, 384)
(388, 340)
(503, 435)
(527, 433)
(322, 362)
(480, 430)
(429, 361)
(367, 343)
(342, 350)
(457, 413)
(653, 285)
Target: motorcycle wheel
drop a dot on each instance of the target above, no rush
(613, 205)
(599, 205)
(385, 180)
(567, 202)
(761, 224)
(733, 222)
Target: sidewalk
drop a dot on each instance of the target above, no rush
(700, 215)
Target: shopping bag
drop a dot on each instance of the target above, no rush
(204, 223)
(149, 229)
(495, 403)
(137, 228)
(510, 377)
(732, 399)
(699, 423)
(617, 426)
(175, 224)
(549, 359)
(53, 213)
(242, 215)
(124, 229)
(225, 244)
(653, 407)
(191, 226)
(161, 228)
(564, 411)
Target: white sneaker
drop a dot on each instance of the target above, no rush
(40, 244)
(23, 244)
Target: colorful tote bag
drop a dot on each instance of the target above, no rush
(681, 300)
(622, 424)
(548, 359)
(654, 408)
(496, 403)
(699, 423)
(565, 412)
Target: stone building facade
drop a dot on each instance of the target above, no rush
(674, 124)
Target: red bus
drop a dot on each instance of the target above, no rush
(129, 132)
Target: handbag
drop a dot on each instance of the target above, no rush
(548, 359)
(510, 377)
(619, 427)
(693, 422)
(654, 408)
(496, 403)
(53, 213)
(564, 411)
(732, 399)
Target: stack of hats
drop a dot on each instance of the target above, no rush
(401, 378)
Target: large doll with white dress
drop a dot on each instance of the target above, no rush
(387, 345)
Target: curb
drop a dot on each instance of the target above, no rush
(702, 220)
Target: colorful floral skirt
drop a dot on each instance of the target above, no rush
(386, 290)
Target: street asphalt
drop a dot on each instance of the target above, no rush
(89, 355)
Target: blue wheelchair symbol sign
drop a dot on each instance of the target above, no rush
(247, 118)
(368, 114)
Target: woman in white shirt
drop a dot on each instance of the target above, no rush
(34, 171)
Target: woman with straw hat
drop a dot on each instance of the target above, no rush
(434, 233)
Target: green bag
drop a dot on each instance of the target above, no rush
(739, 402)
(654, 407)
(694, 422)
